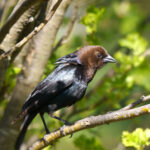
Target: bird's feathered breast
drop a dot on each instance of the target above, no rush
(60, 79)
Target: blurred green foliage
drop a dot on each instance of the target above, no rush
(116, 27)
(134, 42)
(91, 20)
(91, 143)
(10, 79)
(120, 88)
(137, 139)
(123, 28)
(8, 85)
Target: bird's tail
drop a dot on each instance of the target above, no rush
(20, 116)
(27, 120)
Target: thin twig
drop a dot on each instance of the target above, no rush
(91, 122)
(91, 107)
(34, 32)
(70, 27)
(139, 101)
(130, 106)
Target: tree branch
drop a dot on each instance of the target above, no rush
(26, 4)
(70, 27)
(139, 101)
(91, 122)
(21, 27)
(34, 32)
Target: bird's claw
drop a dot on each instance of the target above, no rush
(48, 132)
(45, 139)
(67, 123)
(71, 135)
(62, 130)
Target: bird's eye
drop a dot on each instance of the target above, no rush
(99, 56)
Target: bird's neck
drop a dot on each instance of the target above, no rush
(89, 73)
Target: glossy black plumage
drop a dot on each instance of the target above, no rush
(61, 88)
(64, 86)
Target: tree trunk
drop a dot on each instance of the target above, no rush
(36, 61)
(15, 34)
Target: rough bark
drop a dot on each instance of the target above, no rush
(22, 7)
(5, 6)
(16, 31)
(39, 54)
(93, 121)
(15, 34)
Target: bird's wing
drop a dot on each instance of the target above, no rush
(70, 58)
(55, 83)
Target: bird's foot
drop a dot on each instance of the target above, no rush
(109, 112)
(60, 119)
(66, 123)
(71, 135)
(62, 131)
(47, 131)
(45, 138)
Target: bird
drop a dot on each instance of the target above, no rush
(63, 87)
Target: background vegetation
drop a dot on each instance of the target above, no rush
(123, 28)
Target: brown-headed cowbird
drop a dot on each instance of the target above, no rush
(64, 86)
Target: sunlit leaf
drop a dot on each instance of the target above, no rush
(134, 42)
(137, 139)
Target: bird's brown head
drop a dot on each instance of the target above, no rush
(94, 57)
(89, 58)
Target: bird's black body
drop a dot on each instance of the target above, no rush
(60, 89)
(64, 86)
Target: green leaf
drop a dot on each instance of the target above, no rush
(137, 139)
(16, 70)
(91, 19)
(134, 42)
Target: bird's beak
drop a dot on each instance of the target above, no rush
(109, 59)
